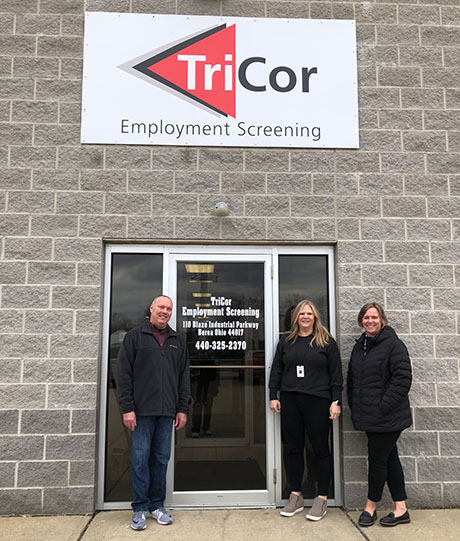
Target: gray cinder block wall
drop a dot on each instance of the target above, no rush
(392, 208)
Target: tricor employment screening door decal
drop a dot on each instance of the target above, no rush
(183, 80)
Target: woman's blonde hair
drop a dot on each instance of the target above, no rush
(321, 335)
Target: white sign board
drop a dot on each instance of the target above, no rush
(210, 81)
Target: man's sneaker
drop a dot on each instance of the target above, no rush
(162, 516)
(293, 506)
(318, 509)
(139, 522)
(195, 434)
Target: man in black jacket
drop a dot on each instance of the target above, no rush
(153, 383)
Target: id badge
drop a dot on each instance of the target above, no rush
(300, 371)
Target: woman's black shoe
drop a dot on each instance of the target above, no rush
(366, 519)
(391, 520)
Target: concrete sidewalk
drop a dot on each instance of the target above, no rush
(253, 525)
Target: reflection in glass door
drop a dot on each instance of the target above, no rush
(221, 312)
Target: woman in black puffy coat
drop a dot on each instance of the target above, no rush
(378, 383)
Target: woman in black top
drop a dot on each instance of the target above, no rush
(378, 382)
(307, 375)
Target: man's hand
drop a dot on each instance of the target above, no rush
(181, 419)
(129, 420)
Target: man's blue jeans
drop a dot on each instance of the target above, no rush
(150, 452)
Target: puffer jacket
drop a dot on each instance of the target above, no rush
(378, 382)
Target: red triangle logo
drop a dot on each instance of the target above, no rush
(202, 68)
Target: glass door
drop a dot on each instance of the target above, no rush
(223, 311)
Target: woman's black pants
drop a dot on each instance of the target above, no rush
(302, 413)
(384, 466)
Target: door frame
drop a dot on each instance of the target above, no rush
(174, 252)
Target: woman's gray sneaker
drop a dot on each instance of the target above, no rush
(318, 509)
(139, 522)
(162, 516)
(293, 506)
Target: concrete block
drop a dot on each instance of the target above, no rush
(51, 273)
(83, 421)
(142, 227)
(420, 229)
(84, 345)
(31, 202)
(45, 422)
(21, 448)
(419, 345)
(129, 203)
(376, 14)
(153, 181)
(28, 344)
(449, 394)
(398, 34)
(433, 322)
(441, 77)
(22, 396)
(82, 472)
(426, 15)
(35, 157)
(439, 35)
(60, 46)
(447, 346)
(51, 179)
(349, 275)
(11, 371)
(35, 67)
(73, 500)
(348, 229)
(270, 206)
(36, 24)
(351, 161)
(191, 228)
(312, 206)
(76, 297)
(388, 228)
(380, 55)
(218, 159)
(357, 206)
(113, 6)
(387, 275)
(17, 89)
(424, 141)
(445, 252)
(289, 228)
(264, 160)
(354, 494)
(70, 113)
(128, 158)
(451, 493)
(13, 272)
(107, 226)
(360, 252)
(355, 297)
(175, 159)
(247, 228)
(421, 56)
(11, 321)
(403, 162)
(13, 501)
(288, 10)
(421, 98)
(441, 120)
(434, 370)
(296, 184)
(17, 45)
(449, 443)
(438, 469)
(47, 370)
(368, 119)
(307, 161)
(9, 421)
(418, 444)
(355, 469)
(399, 76)
(376, 98)
(56, 135)
(243, 182)
(403, 119)
(324, 230)
(49, 321)
(406, 252)
(16, 179)
(399, 320)
(85, 370)
(87, 321)
(424, 495)
(80, 157)
(204, 7)
(70, 447)
(72, 25)
(77, 249)
(443, 163)
(45, 112)
(59, 7)
(49, 225)
(15, 134)
(42, 474)
(106, 181)
(388, 140)
(354, 444)
(428, 275)
(446, 298)
(175, 205)
(436, 419)
(453, 141)
(444, 207)
(7, 473)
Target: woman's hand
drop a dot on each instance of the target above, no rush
(334, 411)
(275, 406)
